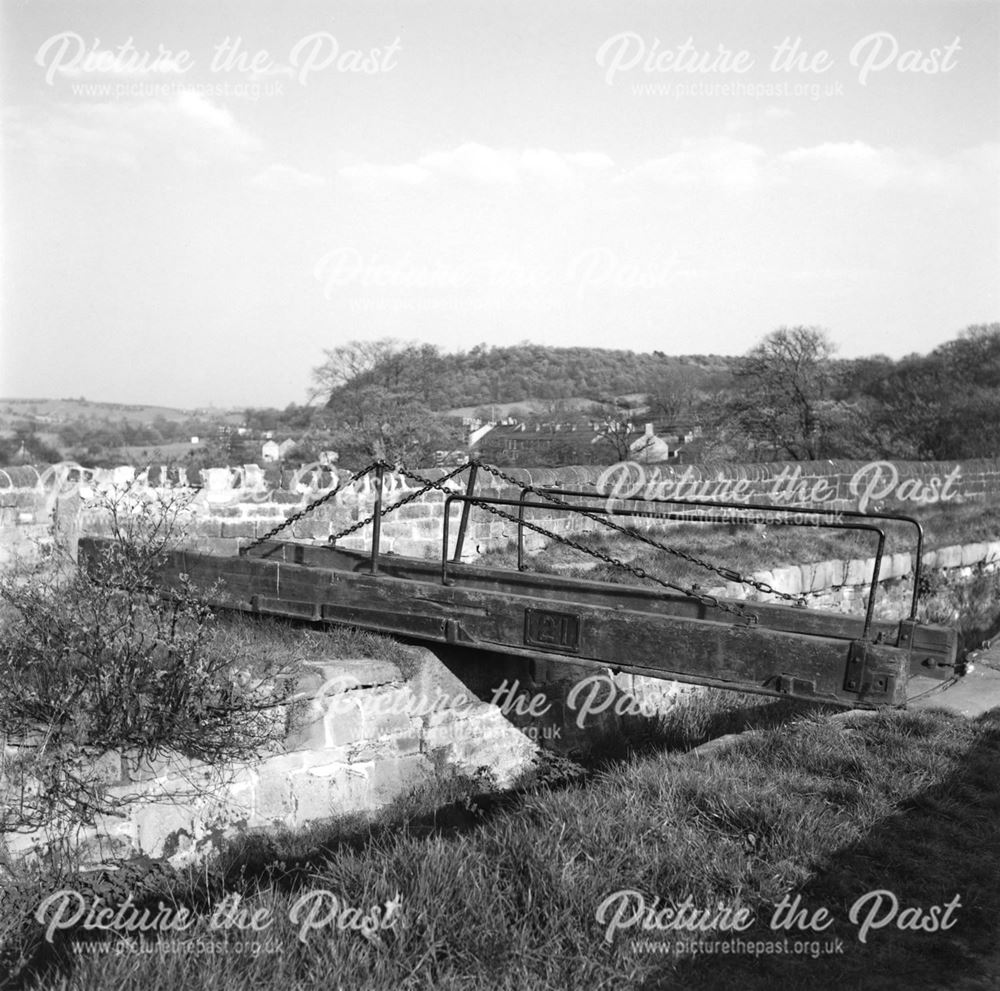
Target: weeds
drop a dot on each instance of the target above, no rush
(506, 897)
(98, 662)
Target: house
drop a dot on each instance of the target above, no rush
(650, 449)
(273, 451)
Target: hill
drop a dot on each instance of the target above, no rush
(466, 381)
(80, 410)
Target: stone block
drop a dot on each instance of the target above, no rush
(160, 825)
(385, 748)
(386, 712)
(816, 576)
(344, 722)
(337, 517)
(974, 553)
(430, 528)
(222, 546)
(317, 793)
(788, 580)
(900, 567)
(272, 796)
(308, 733)
(859, 571)
(949, 557)
(332, 677)
(417, 548)
(735, 590)
(416, 511)
(241, 529)
(388, 779)
(263, 512)
(309, 529)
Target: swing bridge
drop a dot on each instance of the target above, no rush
(660, 629)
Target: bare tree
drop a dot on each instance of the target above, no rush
(785, 387)
(615, 429)
(348, 363)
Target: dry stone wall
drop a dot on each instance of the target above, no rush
(232, 506)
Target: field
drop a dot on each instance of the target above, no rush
(81, 410)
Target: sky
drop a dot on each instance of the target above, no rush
(199, 197)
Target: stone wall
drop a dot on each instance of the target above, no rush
(368, 735)
(232, 506)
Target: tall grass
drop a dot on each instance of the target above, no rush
(505, 896)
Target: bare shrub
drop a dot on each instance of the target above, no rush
(99, 661)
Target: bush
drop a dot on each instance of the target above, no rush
(99, 660)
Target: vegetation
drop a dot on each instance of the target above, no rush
(789, 397)
(97, 660)
(486, 375)
(506, 894)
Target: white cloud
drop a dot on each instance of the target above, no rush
(756, 118)
(723, 163)
(484, 166)
(284, 177)
(187, 127)
(370, 174)
(864, 166)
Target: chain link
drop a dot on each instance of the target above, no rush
(427, 485)
(727, 573)
(707, 600)
(306, 510)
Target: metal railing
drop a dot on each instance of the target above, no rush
(594, 512)
(548, 492)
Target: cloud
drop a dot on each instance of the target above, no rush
(751, 119)
(719, 166)
(862, 165)
(370, 174)
(727, 165)
(481, 165)
(186, 127)
(722, 163)
(285, 177)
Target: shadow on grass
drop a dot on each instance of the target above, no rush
(943, 843)
(287, 861)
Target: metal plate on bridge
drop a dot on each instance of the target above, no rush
(552, 630)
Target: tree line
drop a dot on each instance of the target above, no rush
(788, 398)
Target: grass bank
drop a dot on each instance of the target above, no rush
(507, 894)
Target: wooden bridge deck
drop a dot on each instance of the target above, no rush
(787, 651)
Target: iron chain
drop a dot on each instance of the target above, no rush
(727, 573)
(705, 599)
(440, 485)
(428, 485)
(306, 510)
